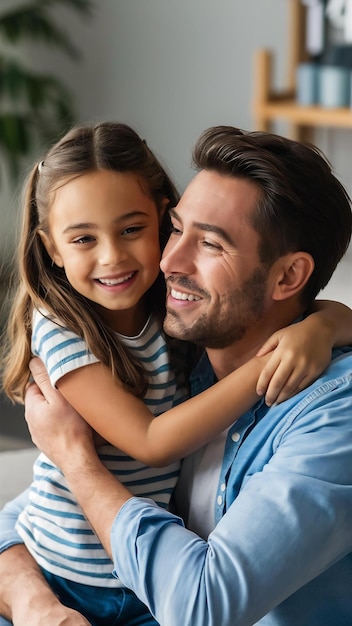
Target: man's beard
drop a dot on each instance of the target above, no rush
(226, 323)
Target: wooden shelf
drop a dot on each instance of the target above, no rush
(308, 116)
(270, 105)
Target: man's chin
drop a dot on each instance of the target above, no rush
(185, 332)
(174, 328)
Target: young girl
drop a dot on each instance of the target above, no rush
(90, 303)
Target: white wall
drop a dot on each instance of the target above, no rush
(171, 68)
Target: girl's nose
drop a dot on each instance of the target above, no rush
(111, 254)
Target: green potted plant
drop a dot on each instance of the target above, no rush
(33, 105)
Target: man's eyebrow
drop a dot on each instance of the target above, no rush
(173, 213)
(209, 228)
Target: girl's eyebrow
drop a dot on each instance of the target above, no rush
(82, 226)
(91, 225)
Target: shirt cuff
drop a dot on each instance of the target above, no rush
(8, 518)
(136, 518)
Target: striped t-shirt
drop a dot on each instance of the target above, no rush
(53, 526)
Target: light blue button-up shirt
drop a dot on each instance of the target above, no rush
(281, 552)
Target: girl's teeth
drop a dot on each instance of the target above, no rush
(114, 281)
(178, 295)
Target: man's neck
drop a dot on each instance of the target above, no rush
(228, 359)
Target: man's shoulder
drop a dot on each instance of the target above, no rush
(338, 375)
(202, 376)
(332, 390)
(341, 362)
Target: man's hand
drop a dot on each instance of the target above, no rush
(61, 433)
(55, 427)
(26, 599)
(53, 614)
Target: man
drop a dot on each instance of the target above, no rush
(257, 234)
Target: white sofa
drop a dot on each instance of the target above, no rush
(16, 470)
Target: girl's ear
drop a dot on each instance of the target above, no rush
(50, 248)
(293, 273)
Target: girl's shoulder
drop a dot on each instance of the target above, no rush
(42, 317)
(49, 332)
(60, 349)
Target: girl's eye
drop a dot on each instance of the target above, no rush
(85, 239)
(131, 230)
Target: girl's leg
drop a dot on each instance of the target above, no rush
(101, 606)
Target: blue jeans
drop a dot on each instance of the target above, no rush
(100, 606)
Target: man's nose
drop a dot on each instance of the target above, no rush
(177, 257)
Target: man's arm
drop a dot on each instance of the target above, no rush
(288, 525)
(25, 596)
(68, 442)
(19, 574)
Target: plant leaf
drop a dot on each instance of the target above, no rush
(33, 106)
(34, 22)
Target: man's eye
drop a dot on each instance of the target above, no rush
(174, 230)
(210, 245)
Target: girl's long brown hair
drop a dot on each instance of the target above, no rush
(105, 146)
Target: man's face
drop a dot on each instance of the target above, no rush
(216, 284)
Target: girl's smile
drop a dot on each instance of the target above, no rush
(104, 232)
(113, 281)
(117, 284)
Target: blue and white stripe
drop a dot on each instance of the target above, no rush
(53, 525)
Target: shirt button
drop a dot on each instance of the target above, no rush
(219, 500)
(222, 487)
(235, 437)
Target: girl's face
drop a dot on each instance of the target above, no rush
(104, 231)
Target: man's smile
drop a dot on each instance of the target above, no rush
(181, 295)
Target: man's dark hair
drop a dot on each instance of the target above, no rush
(302, 206)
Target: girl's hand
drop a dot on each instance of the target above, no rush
(300, 353)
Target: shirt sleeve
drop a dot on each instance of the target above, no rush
(290, 522)
(8, 518)
(61, 350)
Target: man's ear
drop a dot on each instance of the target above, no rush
(294, 271)
(50, 248)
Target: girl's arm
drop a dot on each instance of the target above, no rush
(302, 351)
(127, 423)
(336, 318)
